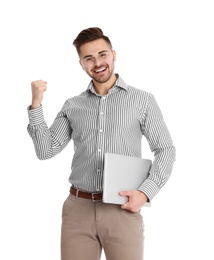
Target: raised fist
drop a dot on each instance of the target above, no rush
(37, 87)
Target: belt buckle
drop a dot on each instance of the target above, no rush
(93, 198)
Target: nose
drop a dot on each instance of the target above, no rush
(97, 62)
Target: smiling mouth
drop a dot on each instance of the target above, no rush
(100, 70)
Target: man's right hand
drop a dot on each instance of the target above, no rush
(37, 87)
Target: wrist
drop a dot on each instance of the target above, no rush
(144, 195)
(35, 105)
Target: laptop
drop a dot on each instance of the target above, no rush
(123, 173)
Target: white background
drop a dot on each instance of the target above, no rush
(164, 47)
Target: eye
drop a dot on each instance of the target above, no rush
(103, 54)
(88, 59)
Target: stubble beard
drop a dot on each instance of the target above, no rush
(106, 78)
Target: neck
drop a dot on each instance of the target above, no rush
(103, 88)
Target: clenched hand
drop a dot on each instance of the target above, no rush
(38, 87)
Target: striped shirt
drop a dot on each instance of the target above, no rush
(113, 123)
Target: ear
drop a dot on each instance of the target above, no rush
(114, 55)
(80, 62)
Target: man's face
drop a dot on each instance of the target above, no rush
(97, 59)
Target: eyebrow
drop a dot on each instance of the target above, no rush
(92, 55)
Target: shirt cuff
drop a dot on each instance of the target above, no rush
(149, 188)
(36, 116)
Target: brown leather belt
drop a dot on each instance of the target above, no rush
(86, 195)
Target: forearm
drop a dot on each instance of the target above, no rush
(160, 171)
(43, 141)
(161, 144)
(47, 141)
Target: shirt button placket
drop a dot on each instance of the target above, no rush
(101, 124)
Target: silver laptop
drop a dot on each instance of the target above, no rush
(123, 173)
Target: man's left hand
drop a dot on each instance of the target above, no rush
(136, 200)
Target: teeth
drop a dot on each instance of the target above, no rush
(100, 70)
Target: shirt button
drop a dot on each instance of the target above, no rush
(98, 170)
(99, 150)
(101, 130)
(101, 113)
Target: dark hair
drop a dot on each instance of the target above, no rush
(88, 35)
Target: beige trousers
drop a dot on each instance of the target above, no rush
(88, 227)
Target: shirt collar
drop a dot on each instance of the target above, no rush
(118, 84)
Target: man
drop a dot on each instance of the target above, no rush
(109, 116)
